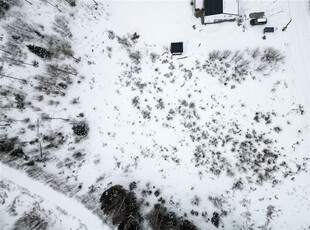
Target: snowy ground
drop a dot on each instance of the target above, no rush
(212, 133)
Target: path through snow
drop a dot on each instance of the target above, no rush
(71, 206)
(299, 49)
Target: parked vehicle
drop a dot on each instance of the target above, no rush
(258, 21)
(268, 29)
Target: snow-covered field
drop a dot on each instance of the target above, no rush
(90, 97)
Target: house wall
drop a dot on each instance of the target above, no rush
(218, 18)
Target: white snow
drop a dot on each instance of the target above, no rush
(198, 4)
(123, 147)
(231, 7)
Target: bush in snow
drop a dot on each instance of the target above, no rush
(4, 6)
(20, 101)
(54, 140)
(135, 57)
(215, 220)
(235, 66)
(160, 218)
(272, 56)
(39, 51)
(7, 145)
(135, 36)
(18, 153)
(61, 26)
(80, 129)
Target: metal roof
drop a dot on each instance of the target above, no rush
(176, 47)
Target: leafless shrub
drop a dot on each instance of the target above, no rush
(54, 140)
(20, 101)
(160, 104)
(4, 6)
(160, 219)
(48, 85)
(7, 144)
(12, 53)
(154, 57)
(195, 201)
(214, 55)
(62, 71)
(56, 80)
(225, 54)
(136, 102)
(21, 30)
(238, 185)
(75, 100)
(31, 221)
(124, 41)
(111, 34)
(237, 56)
(59, 47)
(71, 2)
(255, 53)
(272, 56)
(261, 68)
(218, 202)
(135, 37)
(61, 26)
(135, 56)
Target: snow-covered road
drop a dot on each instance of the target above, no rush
(71, 206)
(299, 48)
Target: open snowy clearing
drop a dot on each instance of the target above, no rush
(221, 131)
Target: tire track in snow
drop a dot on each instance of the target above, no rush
(300, 49)
(71, 206)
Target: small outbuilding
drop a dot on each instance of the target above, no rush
(268, 29)
(176, 48)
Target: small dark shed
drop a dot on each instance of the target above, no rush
(176, 48)
(268, 29)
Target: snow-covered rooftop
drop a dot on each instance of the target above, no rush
(230, 6)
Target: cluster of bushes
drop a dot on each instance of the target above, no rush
(9, 146)
(230, 66)
(161, 219)
(56, 80)
(123, 207)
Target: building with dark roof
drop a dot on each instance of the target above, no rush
(176, 48)
(219, 8)
(212, 7)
